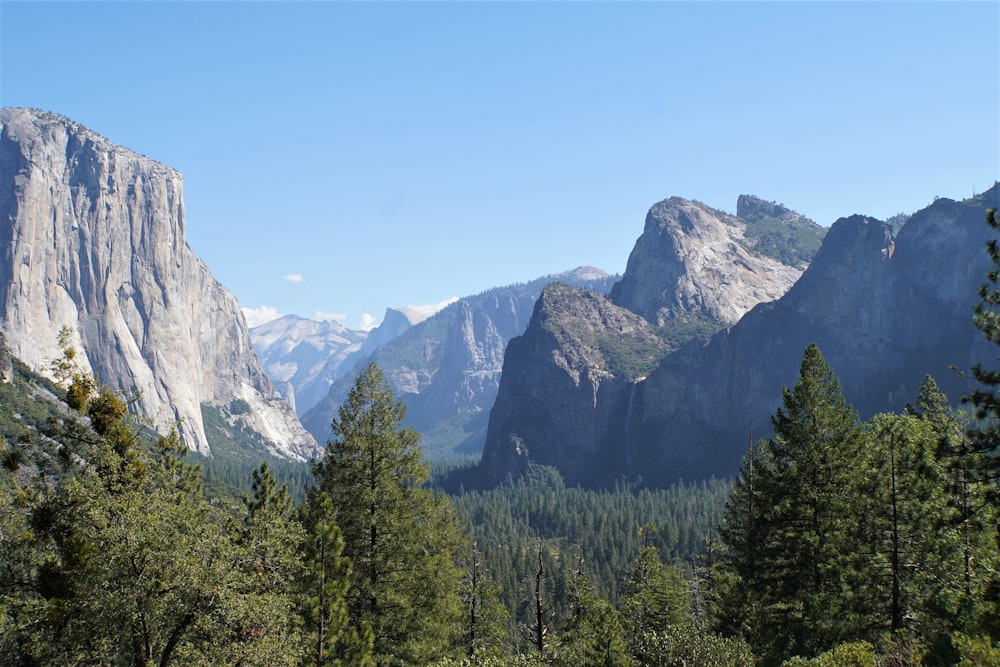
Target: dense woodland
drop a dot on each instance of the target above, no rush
(841, 542)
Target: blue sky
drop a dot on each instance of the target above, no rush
(340, 158)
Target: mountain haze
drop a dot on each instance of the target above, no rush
(304, 357)
(447, 368)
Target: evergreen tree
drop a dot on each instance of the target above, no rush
(985, 435)
(980, 453)
(487, 621)
(401, 539)
(330, 639)
(911, 578)
(593, 634)
(656, 597)
(790, 536)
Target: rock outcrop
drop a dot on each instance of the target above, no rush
(6, 361)
(447, 368)
(564, 381)
(693, 263)
(92, 237)
(884, 310)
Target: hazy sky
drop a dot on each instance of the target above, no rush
(340, 157)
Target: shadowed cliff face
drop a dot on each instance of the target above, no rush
(92, 237)
(884, 311)
(565, 384)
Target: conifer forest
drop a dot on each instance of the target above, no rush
(841, 541)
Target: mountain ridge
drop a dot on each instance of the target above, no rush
(884, 309)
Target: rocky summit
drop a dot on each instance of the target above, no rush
(564, 381)
(694, 263)
(92, 238)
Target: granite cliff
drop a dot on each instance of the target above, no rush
(693, 263)
(885, 310)
(92, 237)
(564, 381)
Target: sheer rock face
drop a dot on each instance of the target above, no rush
(560, 397)
(693, 262)
(92, 237)
(6, 361)
(884, 310)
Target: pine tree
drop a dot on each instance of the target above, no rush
(912, 574)
(593, 634)
(789, 528)
(329, 637)
(487, 621)
(985, 435)
(981, 450)
(401, 539)
(656, 596)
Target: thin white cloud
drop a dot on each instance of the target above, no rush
(420, 313)
(294, 277)
(368, 322)
(326, 317)
(257, 316)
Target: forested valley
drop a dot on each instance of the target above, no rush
(841, 542)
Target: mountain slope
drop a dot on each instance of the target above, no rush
(447, 368)
(302, 356)
(92, 237)
(884, 310)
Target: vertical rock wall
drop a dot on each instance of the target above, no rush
(92, 237)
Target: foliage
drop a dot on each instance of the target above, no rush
(631, 357)
(605, 527)
(402, 539)
(656, 596)
(850, 654)
(678, 333)
(593, 634)
(976, 651)
(788, 525)
(980, 456)
(112, 555)
(686, 646)
(791, 243)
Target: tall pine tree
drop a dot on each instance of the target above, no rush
(789, 526)
(981, 453)
(402, 540)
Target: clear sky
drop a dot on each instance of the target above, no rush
(340, 157)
